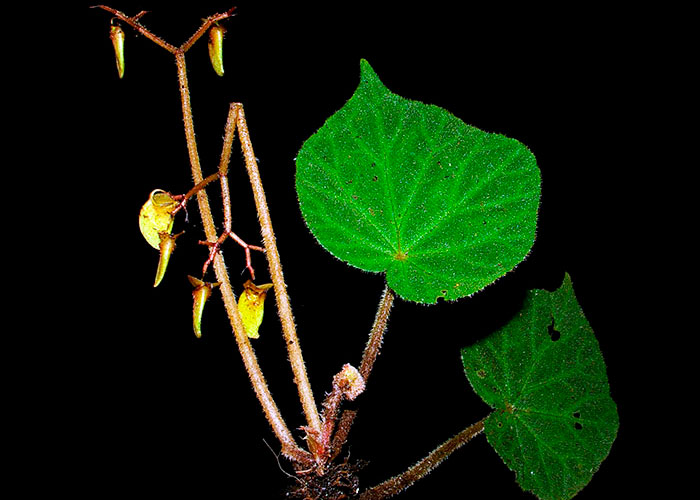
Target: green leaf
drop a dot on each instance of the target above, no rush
(543, 373)
(397, 186)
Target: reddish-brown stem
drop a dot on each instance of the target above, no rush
(342, 430)
(133, 22)
(184, 198)
(202, 198)
(229, 135)
(396, 484)
(368, 358)
(331, 405)
(377, 333)
(347, 384)
(205, 26)
(289, 446)
(275, 266)
(215, 247)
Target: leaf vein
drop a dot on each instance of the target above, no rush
(455, 208)
(354, 208)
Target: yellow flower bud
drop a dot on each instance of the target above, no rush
(216, 42)
(202, 291)
(116, 33)
(156, 217)
(251, 305)
(167, 246)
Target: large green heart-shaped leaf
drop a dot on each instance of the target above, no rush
(554, 420)
(397, 186)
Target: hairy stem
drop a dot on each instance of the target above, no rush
(289, 447)
(208, 22)
(196, 189)
(342, 431)
(377, 333)
(202, 198)
(134, 23)
(334, 399)
(237, 118)
(396, 484)
(275, 266)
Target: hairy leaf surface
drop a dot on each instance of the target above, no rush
(405, 188)
(554, 420)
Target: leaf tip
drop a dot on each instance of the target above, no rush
(365, 66)
(368, 75)
(567, 281)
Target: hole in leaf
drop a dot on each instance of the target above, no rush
(553, 333)
(578, 426)
(577, 414)
(375, 178)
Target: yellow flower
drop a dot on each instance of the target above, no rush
(251, 305)
(156, 217)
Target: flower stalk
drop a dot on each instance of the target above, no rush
(272, 413)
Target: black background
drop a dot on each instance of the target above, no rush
(155, 411)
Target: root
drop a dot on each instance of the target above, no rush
(339, 482)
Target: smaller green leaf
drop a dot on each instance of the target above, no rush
(543, 373)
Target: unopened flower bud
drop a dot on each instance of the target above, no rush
(116, 34)
(167, 246)
(200, 294)
(216, 43)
